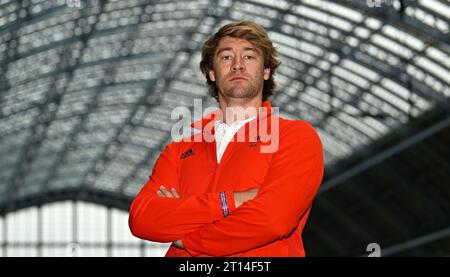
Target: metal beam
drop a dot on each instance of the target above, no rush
(167, 81)
(416, 242)
(394, 17)
(38, 135)
(84, 39)
(158, 93)
(96, 196)
(380, 157)
(336, 48)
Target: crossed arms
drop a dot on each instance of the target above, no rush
(196, 222)
(240, 197)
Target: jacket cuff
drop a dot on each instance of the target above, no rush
(227, 205)
(224, 204)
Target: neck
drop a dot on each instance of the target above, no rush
(236, 109)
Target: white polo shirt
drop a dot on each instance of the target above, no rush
(224, 134)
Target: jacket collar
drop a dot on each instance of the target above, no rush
(206, 123)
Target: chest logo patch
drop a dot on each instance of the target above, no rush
(187, 154)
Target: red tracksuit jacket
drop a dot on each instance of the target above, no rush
(271, 224)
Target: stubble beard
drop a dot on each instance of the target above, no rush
(241, 91)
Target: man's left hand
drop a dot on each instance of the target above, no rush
(165, 192)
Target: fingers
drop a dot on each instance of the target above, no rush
(175, 193)
(164, 192)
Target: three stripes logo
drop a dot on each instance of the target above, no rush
(187, 154)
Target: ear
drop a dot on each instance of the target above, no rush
(266, 73)
(212, 76)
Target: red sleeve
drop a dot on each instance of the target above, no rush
(169, 219)
(287, 193)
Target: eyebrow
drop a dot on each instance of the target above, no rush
(229, 49)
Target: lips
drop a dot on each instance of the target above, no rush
(237, 78)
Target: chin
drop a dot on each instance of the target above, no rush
(240, 93)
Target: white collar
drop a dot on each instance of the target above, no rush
(234, 124)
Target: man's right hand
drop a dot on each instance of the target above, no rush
(240, 197)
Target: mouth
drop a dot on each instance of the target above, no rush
(237, 78)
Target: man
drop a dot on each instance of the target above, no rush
(227, 197)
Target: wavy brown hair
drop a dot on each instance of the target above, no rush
(257, 36)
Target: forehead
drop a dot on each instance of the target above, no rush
(231, 43)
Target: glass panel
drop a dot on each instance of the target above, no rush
(22, 226)
(21, 251)
(56, 251)
(1, 229)
(57, 222)
(91, 223)
(120, 230)
(155, 249)
(91, 251)
(126, 251)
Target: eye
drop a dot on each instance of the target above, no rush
(249, 57)
(226, 57)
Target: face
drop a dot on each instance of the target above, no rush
(238, 69)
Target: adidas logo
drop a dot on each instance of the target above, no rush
(187, 154)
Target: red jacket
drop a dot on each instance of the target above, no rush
(271, 224)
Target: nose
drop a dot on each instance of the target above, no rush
(238, 64)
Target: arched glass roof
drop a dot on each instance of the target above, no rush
(86, 94)
(72, 229)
